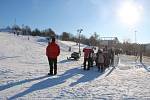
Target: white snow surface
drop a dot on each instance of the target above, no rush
(24, 67)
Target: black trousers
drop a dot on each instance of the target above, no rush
(101, 67)
(89, 63)
(53, 66)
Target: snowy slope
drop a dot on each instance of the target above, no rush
(24, 68)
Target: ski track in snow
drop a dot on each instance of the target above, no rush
(24, 68)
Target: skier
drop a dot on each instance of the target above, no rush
(52, 52)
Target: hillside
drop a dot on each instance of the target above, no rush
(24, 68)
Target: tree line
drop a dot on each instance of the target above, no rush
(26, 30)
(126, 47)
(66, 36)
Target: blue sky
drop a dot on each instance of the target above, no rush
(106, 17)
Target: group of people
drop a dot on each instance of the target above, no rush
(102, 58)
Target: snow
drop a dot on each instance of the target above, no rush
(24, 68)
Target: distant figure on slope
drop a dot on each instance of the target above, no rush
(52, 52)
(14, 32)
(69, 48)
(17, 33)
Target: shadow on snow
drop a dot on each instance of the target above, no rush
(53, 81)
(65, 61)
(9, 85)
(4, 57)
(146, 67)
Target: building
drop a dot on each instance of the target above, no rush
(108, 41)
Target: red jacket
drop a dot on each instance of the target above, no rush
(87, 52)
(52, 50)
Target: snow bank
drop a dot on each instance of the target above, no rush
(24, 68)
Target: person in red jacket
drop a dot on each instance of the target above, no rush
(87, 57)
(52, 52)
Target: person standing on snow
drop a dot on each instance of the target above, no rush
(52, 52)
(87, 51)
(94, 56)
(100, 60)
(112, 54)
(106, 57)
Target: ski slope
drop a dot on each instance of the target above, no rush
(24, 68)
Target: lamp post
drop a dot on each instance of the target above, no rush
(79, 31)
(135, 35)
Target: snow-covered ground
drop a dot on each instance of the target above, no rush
(24, 68)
